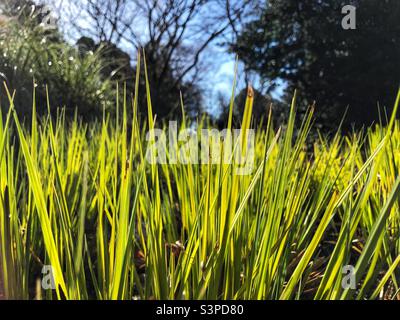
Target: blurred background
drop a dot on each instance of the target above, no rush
(81, 50)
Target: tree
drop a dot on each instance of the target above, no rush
(303, 43)
(32, 56)
(174, 33)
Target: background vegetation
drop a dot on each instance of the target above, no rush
(32, 56)
(303, 43)
(283, 46)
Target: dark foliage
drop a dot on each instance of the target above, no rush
(303, 43)
(34, 56)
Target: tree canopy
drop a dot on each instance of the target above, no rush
(304, 44)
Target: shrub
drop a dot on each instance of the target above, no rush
(33, 56)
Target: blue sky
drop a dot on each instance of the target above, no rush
(217, 81)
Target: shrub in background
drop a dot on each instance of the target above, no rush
(34, 56)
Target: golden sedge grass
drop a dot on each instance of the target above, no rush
(83, 199)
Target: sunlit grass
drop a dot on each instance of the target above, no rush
(84, 199)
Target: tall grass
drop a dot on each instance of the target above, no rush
(84, 199)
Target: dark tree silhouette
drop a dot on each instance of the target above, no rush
(175, 34)
(303, 43)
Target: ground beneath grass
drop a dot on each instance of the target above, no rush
(1, 285)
